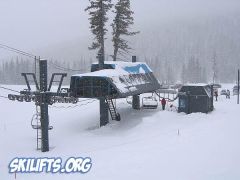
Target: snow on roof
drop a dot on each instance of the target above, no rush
(120, 74)
(121, 63)
(104, 73)
(120, 68)
(130, 67)
(206, 87)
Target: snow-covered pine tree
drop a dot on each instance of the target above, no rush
(98, 17)
(121, 23)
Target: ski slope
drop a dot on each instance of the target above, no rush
(146, 144)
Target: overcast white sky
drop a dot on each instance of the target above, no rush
(32, 24)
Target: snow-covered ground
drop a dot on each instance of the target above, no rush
(146, 144)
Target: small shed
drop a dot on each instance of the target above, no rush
(196, 98)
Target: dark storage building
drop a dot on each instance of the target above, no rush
(195, 98)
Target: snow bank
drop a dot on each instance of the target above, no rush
(146, 144)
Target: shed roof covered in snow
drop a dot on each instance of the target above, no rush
(126, 78)
(118, 68)
(197, 89)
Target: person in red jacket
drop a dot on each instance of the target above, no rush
(163, 102)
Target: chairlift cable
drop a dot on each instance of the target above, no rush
(3, 97)
(8, 48)
(170, 100)
(9, 89)
(63, 68)
(71, 107)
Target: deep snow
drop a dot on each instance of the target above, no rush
(146, 144)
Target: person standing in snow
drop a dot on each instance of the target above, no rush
(216, 95)
(228, 94)
(163, 102)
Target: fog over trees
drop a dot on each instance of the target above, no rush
(200, 39)
(178, 40)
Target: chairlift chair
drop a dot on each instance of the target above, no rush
(149, 102)
(129, 99)
(36, 124)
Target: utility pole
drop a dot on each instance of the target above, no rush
(104, 116)
(135, 98)
(238, 86)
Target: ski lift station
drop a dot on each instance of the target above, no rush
(106, 82)
(196, 98)
(116, 80)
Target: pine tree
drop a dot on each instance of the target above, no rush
(191, 70)
(184, 74)
(98, 17)
(198, 70)
(204, 75)
(214, 67)
(121, 23)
